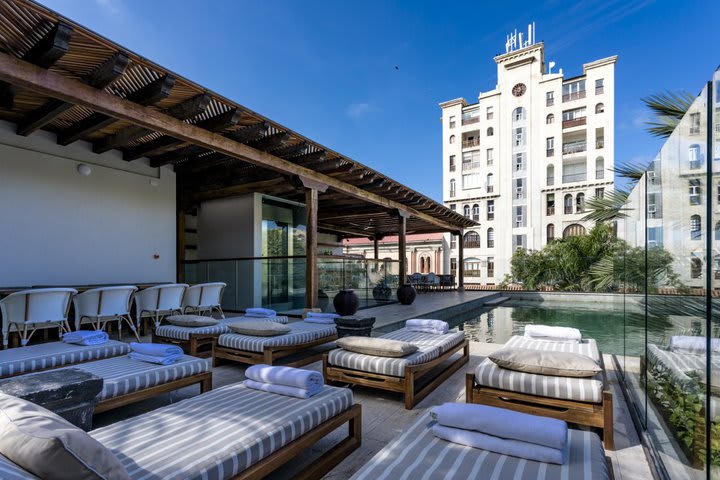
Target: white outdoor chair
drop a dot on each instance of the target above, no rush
(29, 310)
(106, 304)
(204, 297)
(159, 301)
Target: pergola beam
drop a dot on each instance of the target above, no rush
(99, 78)
(147, 95)
(53, 84)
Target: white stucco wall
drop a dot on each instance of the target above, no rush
(62, 228)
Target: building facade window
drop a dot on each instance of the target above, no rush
(519, 162)
(471, 180)
(599, 86)
(580, 203)
(574, 230)
(452, 163)
(694, 156)
(550, 119)
(550, 176)
(519, 184)
(471, 116)
(489, 186)
(453, 241)
(476, 212)
(520, 216)
(550, 231)
(490, 272)
(695, 268)
(694, 191)
(599, 168)
(452, 121)
(490, 132)
(574, 90)
(550, 146)
(519, 241)
(466, 211)
(491, 210)
(695, 228)
(451, 139)
(519, 137)
(600, 108)
(599, 192)
(490, 156)
(519, 115)
(550, 204)
(695, 123)
(453, 267)
(717, 230)
(489, 113)
(453, 207)
(452, 188)
(491, 237)
(549, 99)
(654, 237)
(568, 203)
(471, 240)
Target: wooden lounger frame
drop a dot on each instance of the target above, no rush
(321, 466)
(598, 415)
(406, 383)
(204, 379)
(198, 345)
(270, 354)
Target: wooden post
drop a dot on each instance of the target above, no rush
(376, 247)
(402, 244)
(461, 261)
(312, 188)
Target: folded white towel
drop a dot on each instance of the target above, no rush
(160, 360)
(426, 330)
(86, 337)
(283, 389)
(260, 312)
(437, 325)
(553, 334)
(695, 345)
(503, 423)
(515, 448)
(322, 315)
(289, 376)
(156, 349)
(324, 321)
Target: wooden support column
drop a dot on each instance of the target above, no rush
(461, 261)
(402, 245)
(312, 189)
(376, 247)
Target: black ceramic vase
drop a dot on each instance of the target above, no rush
(406, 294)
(346, 302)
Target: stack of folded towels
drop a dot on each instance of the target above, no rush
(553, 334)
(427, 325)
(159, 353)
(503, 431)
(319, 317)
(86, 337)
(260, 312)
(293, 382)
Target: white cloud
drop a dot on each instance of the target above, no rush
(357, 110)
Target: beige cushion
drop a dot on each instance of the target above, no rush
(558, 364)
(380, 347)
(259, 328)
(192, 321)
(50, 447)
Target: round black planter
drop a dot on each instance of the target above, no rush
(406, 294)
(323, 300)
(381, 293)
(346, 302)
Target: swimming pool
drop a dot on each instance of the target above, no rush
(616, 332)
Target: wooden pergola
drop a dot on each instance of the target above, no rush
(58, 76)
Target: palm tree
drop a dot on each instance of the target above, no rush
(668, 109)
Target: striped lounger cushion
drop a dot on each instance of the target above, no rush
(122, 375)
(417, 453)
(489, 374)
(218, 434)
(300, 332)
(430, 347)
(183, 333)
(16, 361)
(10, 471)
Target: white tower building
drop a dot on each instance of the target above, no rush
(523, 159)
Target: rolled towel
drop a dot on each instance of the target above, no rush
(503, 423)
(322, 320)
(86, 337)
(332, 316)
(156, 349)
(553, 334)
(426, 330)
(427, 323)
(160, 360)
(695, 345)
(515, 448)
(283, 389)
(288, 376)
(260, 312)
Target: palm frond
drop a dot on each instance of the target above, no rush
(609, 207)
(668, 109)
(631, 172)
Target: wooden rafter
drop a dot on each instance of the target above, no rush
(271, 142)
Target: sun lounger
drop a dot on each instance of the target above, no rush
(417, 453)
(403, 373)
(231, 432)
(583, 401)
(253, 350)
(127, 381)
(44, 356)
(195, 341)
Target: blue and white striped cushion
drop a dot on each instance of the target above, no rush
(178, 332)
(217, 435)
(16, 361)
(587, 347)
(445, 342)
(10, 471)
(300, 332)
(123, 375)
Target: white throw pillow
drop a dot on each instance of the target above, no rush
(380, 347)
(259, 328)
(192, 321)
(544, 362)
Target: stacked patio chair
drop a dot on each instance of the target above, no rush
(30, 310)
(99, 306)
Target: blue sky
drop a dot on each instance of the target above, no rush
(327, 68)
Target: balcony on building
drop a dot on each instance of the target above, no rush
(471, 139)
(574, 143)
(573, 90)
(471, 116)
(574, 171)
(575, 122)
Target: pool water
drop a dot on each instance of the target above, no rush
(616, 332)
